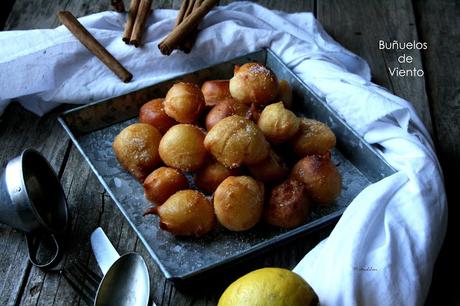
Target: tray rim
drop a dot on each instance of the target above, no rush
(260, 247)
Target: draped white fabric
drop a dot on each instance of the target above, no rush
(383, 248)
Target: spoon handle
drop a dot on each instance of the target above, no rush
(103, 250)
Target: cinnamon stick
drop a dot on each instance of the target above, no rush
(88, 40)
(190, 6)
(187, 46)
(187, 26)
(181, 14)
(133, 7)
(139, 23)
(118, 5)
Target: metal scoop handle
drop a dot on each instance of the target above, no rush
(33, 243)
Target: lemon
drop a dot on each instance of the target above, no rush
(270, 287)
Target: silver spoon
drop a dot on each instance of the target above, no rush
(126, 278)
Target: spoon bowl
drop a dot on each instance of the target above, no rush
(125, 283)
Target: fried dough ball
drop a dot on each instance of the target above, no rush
(182, 147)
(184, 102)
(162, 183)
(238, 202)
(136, 149)
(235, 141)
(313, 137)
(320, 176)
(271, 169)
(185, 213)
(224, 109)
(210, 176)
(154, 114)
(289, 205)
(253, 83)
(215, 91)
(278, 123)
(285, 93)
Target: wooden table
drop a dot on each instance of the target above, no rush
(358, 25)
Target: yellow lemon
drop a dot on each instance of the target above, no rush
(269, 287)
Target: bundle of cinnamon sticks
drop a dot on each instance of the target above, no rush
(138, 12)
(185, 30)
(182, 37)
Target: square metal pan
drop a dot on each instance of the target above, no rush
(93, 127)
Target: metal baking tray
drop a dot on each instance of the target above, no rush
(93, 127)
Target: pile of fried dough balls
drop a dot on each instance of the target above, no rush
(247, 151)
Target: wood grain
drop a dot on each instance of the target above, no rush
(20, 129)
(359, 25)
(286, 6)
(5, 8)
(84, 195)
(439, 25)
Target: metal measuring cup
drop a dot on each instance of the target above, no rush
(32, 200)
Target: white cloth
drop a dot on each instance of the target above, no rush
(383, 248)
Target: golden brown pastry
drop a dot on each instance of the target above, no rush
(313, 137)
(162, 183)
(184, 102)
(289, 205)
(235, 141)
(215, 91)
(136, 148)
(253, 83)
(285, 93)
(182, 147)
(238, 202)
(224, 109)
(271, 169)
(278, 123)
(185, 213)
(211, 175)
(320, 176)
(154, 114)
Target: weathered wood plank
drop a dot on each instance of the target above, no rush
(359, 25)
(42, 13)
(84, 195)
(20, 129)
(5, 9)
(286, 6)
(439, 25)
(14, 265)
(27, 15)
